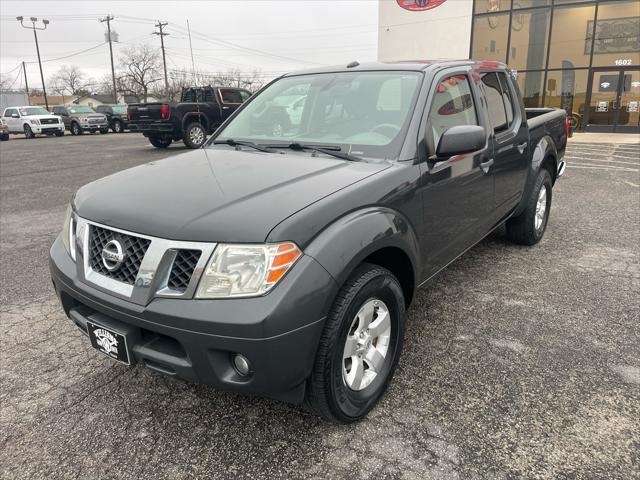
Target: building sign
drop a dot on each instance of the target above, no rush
(614, 35)
(419, 5)
(602, 107)
(632, 107)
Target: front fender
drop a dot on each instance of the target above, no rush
(342, 246)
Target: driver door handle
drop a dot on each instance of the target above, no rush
(485, 166)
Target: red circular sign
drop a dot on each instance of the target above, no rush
(419, 5)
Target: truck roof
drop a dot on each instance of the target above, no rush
(408, 65)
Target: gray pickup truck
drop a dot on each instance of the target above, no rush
(281, 261)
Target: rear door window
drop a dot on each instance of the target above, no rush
(10, 111)
(495, 102)
(452, 105)
(509, 104)
(230, 95)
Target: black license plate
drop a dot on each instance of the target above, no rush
(109, 342)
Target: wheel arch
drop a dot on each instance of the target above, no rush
(376, 235)
(544, 155)
(198, 117)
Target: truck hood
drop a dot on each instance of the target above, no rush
(43, 117)
(216, 195)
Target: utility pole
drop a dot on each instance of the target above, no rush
(35, 35)
(108, 19)
(26, 83)
(193, 64)
(164, 60)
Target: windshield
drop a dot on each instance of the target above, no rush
(81, 109)
(25, 112)
(362, 112)
(119, 108)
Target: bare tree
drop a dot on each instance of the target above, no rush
(139, 70)
(68, 80)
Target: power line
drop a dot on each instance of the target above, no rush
(72, 54)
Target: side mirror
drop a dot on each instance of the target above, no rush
(460, 140)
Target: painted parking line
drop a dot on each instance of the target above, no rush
(603, 167)
(601, 161)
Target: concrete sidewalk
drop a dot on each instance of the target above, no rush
(617, 138)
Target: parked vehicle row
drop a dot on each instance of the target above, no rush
(77, 119)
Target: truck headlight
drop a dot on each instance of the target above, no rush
(69, 233)
(246, 270)
(34, 121)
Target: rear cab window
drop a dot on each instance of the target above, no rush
(232, 95)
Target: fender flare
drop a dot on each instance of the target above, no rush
(349, 240)
(544, 149)
(199, 116)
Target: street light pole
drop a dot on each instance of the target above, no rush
(35, 35)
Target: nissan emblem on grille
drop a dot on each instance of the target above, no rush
(112, 255)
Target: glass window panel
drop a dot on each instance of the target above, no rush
(569, 44)
(567, 89)
(617, 34)
(495, 103)
(509, 104)
(490, 6)
(529, 35)
(530, 3)
(452, 105)
(530, 85)
(630, 99)
(490, 37)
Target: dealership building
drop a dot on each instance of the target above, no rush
(583, 56)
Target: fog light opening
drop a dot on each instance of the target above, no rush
(241, 364)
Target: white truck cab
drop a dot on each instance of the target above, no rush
(32, 121)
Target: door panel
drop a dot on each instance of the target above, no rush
(629, 117)
(457, 194)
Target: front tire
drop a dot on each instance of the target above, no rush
(194, 135)
(59, 134)
(75, 129)
(528, 228)
(117, 127)
(104, 130)
(28, 133)
(360, 346)
(159, 141)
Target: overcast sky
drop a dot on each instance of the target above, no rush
(271, 36)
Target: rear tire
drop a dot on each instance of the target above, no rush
(28, 133)
(194, 135)
(117, 126)
(528, 228)
(355, 361)
(75, 129)
(104, 130)
(159, 141)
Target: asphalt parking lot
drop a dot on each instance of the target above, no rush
(518, 362)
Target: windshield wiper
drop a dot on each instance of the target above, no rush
(332, 150)
(236, 143)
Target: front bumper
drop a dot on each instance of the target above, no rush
(94, 126)
(47, 128)
(196, 339)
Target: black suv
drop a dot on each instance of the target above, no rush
(116, 116)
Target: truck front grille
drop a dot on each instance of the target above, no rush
(49, 121)
(134, 249)
(182, 269)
